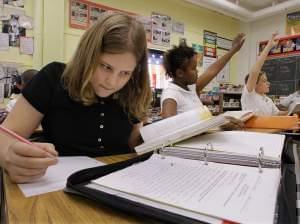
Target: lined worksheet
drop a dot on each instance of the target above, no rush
(237, 193)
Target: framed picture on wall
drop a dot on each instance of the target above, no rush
(95, 13)
(79, 14)
(161, 29)
(14, 30)
(84, 13)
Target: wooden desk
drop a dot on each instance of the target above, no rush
(59, 207)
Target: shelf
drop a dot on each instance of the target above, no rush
(231, 107)
(232, 93)
(224, 97)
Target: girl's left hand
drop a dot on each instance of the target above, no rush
(233, 124)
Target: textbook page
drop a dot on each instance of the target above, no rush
(242, 115)
(236, 193)
(56, 176)
(166, 126)
(180, 134)
(241, 142)
(294, 108)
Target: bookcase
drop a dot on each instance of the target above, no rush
(219, 102)
(213, 100)
(231, 101)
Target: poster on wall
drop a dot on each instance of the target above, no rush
(178, 27)
(293, 23)
(147, 23)
(95, 13)
(161, 29)
(4, 42)
(288, 45)
(26, 45)
(26, 22)
(15, 3)
(210, 44)
(224, 43)
(207, 61)
(199, 50)
(79, 14)
(84, 13)
(8, 70)
(224, 74)
(14, 30)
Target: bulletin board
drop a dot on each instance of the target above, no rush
(83, 13)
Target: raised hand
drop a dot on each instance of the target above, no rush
(238, 42)
(274, 40)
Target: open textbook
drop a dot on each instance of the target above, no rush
(177, 128)
(242, 115)
(294, 108)
(183, 126)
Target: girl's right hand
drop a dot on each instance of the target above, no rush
(274, 40)
(26, 163)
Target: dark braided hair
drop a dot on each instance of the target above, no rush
(177, 58)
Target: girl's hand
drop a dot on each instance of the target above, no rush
(233, 124)
(238, 42)
(273, 42)
(26, 163)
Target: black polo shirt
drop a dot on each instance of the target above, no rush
(75, 129)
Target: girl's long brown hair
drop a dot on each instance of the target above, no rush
(113, 33)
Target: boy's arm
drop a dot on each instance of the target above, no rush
(254, 72)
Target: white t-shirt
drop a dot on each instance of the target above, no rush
(259, 104)
(186, 100)
(292, 98)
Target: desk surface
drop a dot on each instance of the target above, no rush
(59, 207)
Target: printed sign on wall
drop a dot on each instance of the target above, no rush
(210, 44)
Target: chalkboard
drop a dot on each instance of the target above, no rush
(283, 74)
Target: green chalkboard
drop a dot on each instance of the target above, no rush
(283, 74)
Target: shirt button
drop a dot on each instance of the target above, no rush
(101, 126)
(102, 114)
(102, 102)
(99, 139)
(101, 147)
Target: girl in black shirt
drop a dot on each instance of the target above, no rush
(94, 105)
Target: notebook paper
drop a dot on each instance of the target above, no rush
(235, 193)
(56, 176)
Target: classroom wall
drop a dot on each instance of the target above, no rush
(195, 19)
(55, 40)
(13, 54)
(258, 31)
